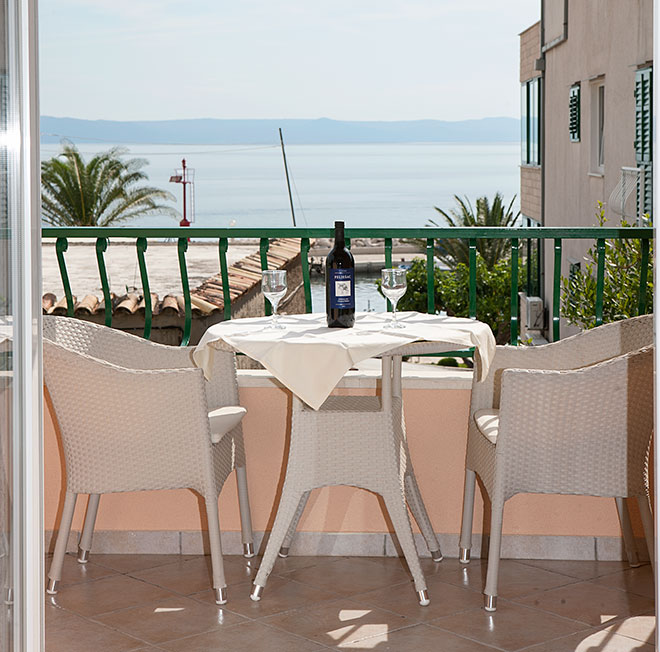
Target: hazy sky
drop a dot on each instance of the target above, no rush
(341, 59)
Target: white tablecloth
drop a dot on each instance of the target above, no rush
(310, 359)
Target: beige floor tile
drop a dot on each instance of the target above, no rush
(353, 575)
(56, 617)
(634, 580)
(247, 636)
(589, 602)
(284, 566)
(75, 634)
(582, 570)
(418, 638)
(169, 619)
(641, 628)
(194, 575)
(279, 595)
(451, 571)
(446, 599)
(591, 641)
(134, 563)
(75, 573)
(339, 622)
(108, 594)
(515, 579)
(511, 627)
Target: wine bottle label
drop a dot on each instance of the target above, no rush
(342, 286)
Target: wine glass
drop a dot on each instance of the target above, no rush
(393, 286)
(273, 286)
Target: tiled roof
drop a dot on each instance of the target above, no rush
(205, 299)
(246, 273)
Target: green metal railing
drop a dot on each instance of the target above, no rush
(515, 235)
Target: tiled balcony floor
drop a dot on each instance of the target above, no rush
(118, 603)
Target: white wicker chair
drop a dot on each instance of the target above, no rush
(134, 416)
(571, 417)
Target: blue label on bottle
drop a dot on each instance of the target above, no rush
(342, 288)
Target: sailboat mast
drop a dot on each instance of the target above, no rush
(288, 184)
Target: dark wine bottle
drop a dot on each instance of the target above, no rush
(340, 283)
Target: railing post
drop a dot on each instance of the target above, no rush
(101, 248)
(307, 282)
(182, 247)
(141, 246)
(430, 277)
(472, 261)
(514, 291)
(61, 245)
(263, 252)
(223, 245)
(643, 277)
(556, 291)
(600, 280)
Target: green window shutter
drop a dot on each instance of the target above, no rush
(644, 138)
(574, 114)
(645, 190)
(644, 115)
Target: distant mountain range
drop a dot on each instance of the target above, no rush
(248, 132)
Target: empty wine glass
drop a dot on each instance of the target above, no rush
(393, 286)
(273, 286)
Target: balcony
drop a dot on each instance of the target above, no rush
(564, 585)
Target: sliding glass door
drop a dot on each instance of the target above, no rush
(21, 547)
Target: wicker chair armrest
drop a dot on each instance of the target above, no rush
(486, 394)
(108, 394)
(584, 349)
(592, 402)
(129, 429)
(134, 352)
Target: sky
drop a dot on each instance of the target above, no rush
(339, 59)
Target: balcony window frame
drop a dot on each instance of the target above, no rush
(598, 126)
(530, 121)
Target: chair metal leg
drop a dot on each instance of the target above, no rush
(55, 571)
(627, 531)
(494, 550)
(398, 513)
(291, 532)
(85, 543)
(246, 517)
(649, 529)
(418, 509)
(219, 584)
(465, 543)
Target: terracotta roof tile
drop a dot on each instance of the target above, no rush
(208, 297)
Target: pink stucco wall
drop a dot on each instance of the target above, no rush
(436, 423)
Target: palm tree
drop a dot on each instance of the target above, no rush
(452, 252)
(102, 192)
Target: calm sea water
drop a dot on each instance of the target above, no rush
(382, 185)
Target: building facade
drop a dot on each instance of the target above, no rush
(586, 75)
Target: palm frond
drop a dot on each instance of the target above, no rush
(106, 190)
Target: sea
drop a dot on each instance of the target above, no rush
(365, 185)
(378, 185)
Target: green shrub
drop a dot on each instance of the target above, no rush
(623, 264)
(452, 293)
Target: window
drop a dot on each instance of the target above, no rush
(601, 126)
(598, 127)
(644, 138)
(530, 122)
(574, 113)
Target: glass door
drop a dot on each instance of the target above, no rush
(21, 532)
